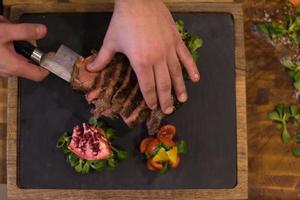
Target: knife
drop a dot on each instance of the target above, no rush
(60, 64)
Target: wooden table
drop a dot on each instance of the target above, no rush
(273, 172)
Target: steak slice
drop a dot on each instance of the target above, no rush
(138, 116)
(110, 86)
(102, 82)
(154, 121)
(81, 78)
(132, 102)
(124, 91)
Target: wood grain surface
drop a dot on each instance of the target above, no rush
(239, 192)
(273, 172)
(22, 2)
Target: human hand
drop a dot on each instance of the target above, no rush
(11, 63)
(146, 33)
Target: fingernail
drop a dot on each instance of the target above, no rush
(182, 98)
(41, 29)
(196, 77)
(90, 66)
(169, 110)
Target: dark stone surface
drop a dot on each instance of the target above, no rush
(207, 121)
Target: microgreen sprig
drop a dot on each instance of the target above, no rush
(193, 43)
(283, 115)
(288, 28)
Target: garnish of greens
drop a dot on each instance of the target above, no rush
(286, 30)
(161, 151)
(284, 115)
(293, 69)
(193, 43)
(85, 166)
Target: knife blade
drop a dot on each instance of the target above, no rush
(60, 64)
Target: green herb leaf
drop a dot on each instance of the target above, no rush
(112, 163)
(155, 151)
(181, 146)
(273, 115)
(93, 121)
(85, 168)
(98, 165)
(297, 85)
(297, 137)
(122, 155)
(110, 133)
(295, 26)
(72, 159)
(296, 152)
(78, 167)
(294, 110)
(166, 147)
(280, 108)
(287, 62)
(165, 168)
(63, 140)
(194, 43)
(285, 134)
(262, 28)
(279, 126)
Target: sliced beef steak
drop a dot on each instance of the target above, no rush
(132, 101)
(154, 121)
(82, 79)
(138, 116)
(103, 103)
(124, 91)
(115, 92)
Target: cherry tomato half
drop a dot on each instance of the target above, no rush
(149, 165)
(155, 165)
(151, 146)
(145, 142)
(167, 131)
(167, 141)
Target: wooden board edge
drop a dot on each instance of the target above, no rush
(39, 2)
(241, 189)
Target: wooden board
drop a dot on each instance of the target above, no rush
(23, 2)
(240, 191)
(209, 146)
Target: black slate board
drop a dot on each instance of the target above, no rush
(207, 121)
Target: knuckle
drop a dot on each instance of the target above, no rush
(141, 60)
(176, 72)
(165, 87)
(148, 90)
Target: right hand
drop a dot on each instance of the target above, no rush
(13, 64)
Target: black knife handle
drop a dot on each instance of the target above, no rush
(24, 48)
(28, 51)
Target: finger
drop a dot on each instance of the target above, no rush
(20, 67)
(177, 78)
(103, 58)
(164, 87)
(51, 53)
(10, 32)
(146, 81)
(188, 62)
(3, 19)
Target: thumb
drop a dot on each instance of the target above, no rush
(103, 58)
